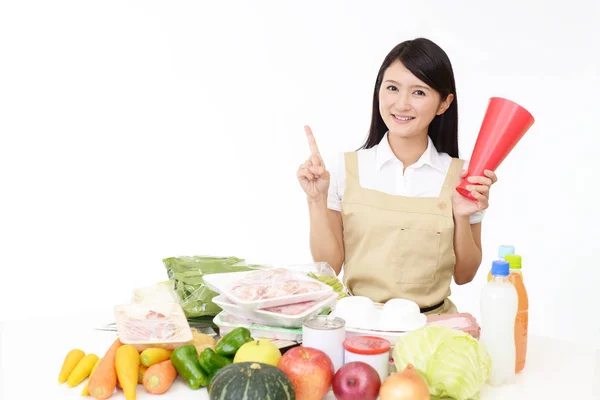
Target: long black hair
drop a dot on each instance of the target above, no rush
(428, 62)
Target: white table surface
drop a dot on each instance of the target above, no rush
(32, 352)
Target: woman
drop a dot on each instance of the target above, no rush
(390, 213)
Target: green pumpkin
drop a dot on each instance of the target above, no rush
(251, 381)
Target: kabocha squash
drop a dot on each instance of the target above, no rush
(251, 381)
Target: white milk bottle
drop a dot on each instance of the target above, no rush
(499, 303)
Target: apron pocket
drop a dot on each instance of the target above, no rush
(417, 255)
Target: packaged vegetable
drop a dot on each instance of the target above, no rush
(187, 273)
(452, 362)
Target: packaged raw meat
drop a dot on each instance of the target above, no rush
(267, 288)
(272, 283)
(290, 316)
(462, 321)
(144, 325)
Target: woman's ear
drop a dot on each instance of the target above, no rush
(445, 104)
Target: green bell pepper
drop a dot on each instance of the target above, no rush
(211, 362)
(230, 343)
(185, 361)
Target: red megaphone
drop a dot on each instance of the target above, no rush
(504, 124)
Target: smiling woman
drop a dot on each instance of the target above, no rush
(389, 214)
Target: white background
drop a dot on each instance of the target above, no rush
(132, 131)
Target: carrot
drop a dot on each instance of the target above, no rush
(127, 364)
(104, 380)
(154, 355)
(71, 360)
(159, 377)
(82, 370)
(86, 390)
(141, 373)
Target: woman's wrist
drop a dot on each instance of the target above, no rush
(462, 219)
(316, 200)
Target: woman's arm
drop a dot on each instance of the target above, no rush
(467, 236)
(467, 247)
(326, 234)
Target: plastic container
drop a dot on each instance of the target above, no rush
(499, 303)
(288, 316)
(156, 325)
(371, 350)
(397, 315)
(267, 288)
(503, 251)
(326, 333)
(522, 320)
(227, 323)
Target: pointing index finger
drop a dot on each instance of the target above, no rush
(311, 140)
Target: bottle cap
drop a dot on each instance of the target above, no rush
(514, 261)
(505, 250)
(500, 268)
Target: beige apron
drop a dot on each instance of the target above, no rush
(398, 246)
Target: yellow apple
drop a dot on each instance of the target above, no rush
(261, 351)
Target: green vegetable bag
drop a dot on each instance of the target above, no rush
(186, 272)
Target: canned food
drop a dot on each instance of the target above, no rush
(327, 334)
(372, 350)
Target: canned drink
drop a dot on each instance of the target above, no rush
(327, 334)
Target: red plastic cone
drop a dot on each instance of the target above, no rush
(504, 124)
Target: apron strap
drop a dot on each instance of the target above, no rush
(351, 160)
(452, 177)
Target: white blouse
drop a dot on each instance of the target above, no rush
(379, 169)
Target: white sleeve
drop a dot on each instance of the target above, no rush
(478, 216)
(336, 184)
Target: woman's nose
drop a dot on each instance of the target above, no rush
(402, 102)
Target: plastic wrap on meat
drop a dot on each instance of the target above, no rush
(462, 321)
(272, 283)
(293, 309)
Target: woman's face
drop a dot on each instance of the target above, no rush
(406, 104)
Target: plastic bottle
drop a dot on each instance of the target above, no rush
(499, 303)
(522, 320)
(503, 251)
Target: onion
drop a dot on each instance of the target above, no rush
(405, 385)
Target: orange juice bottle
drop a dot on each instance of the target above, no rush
(522, 320)
(503, 251)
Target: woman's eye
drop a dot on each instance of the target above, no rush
(392, 88)
(419, 93)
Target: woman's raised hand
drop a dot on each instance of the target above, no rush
(312, 175)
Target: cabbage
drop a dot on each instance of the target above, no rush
(453, 363)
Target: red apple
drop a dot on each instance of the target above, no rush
(356, 380)
(310, 371)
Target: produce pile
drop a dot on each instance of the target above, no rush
(433, 362)
(157, 344)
